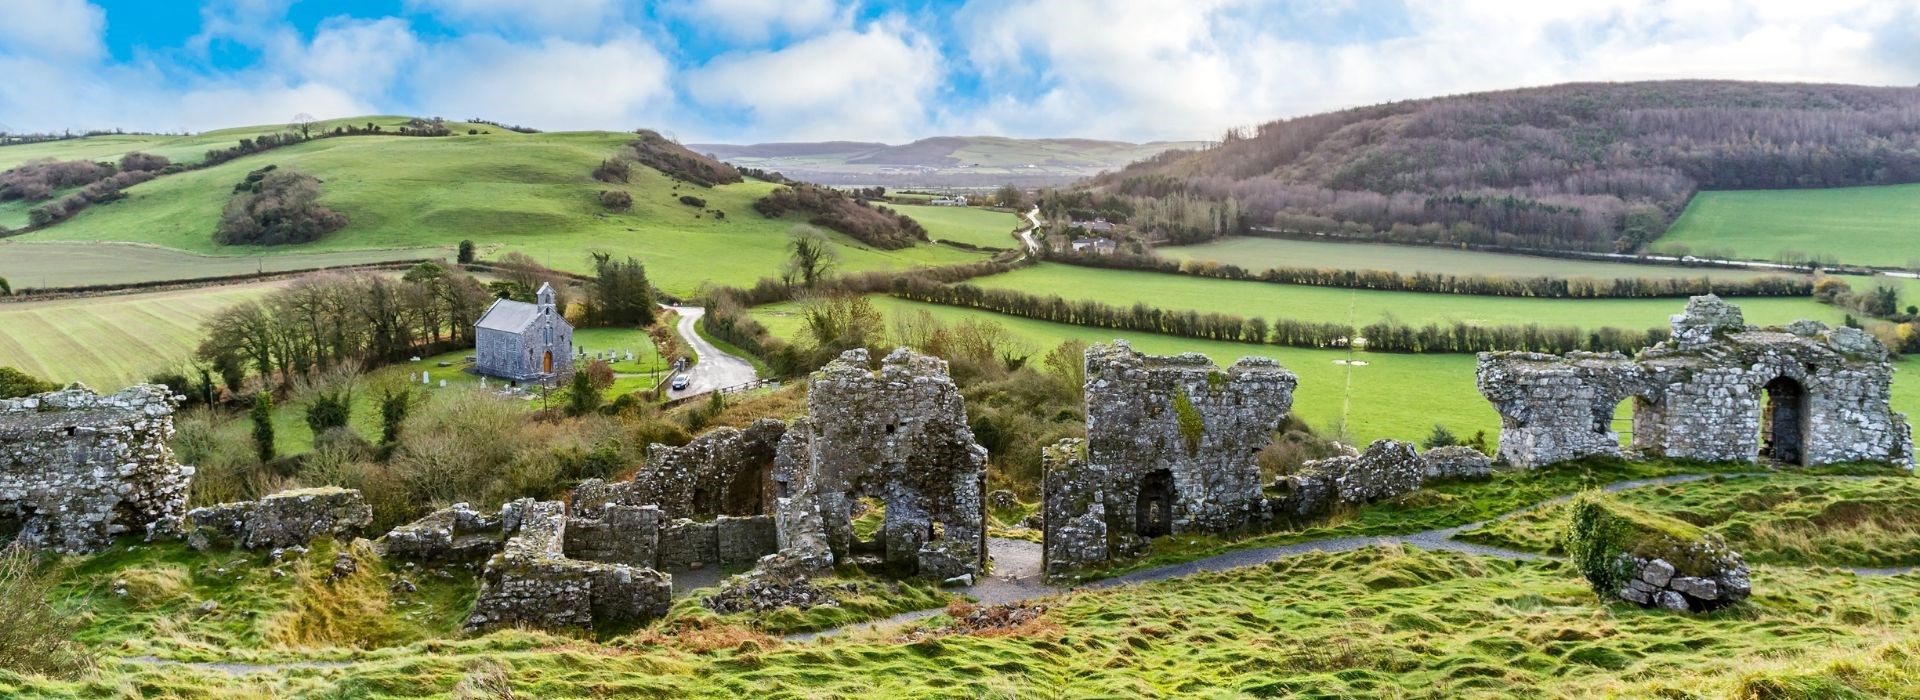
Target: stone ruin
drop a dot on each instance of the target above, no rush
(1170, 448)
(1719, 390)
(78, 469)
(1171, 445)
(899, 436)
(285, 519)
(769, 495)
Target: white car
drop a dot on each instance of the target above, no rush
(680, 382)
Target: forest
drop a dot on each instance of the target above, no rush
(1586, 166)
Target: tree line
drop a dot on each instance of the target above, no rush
(1384, 336)
(1594, 167)
(38, 180)
(875, 225)
(1474, 284)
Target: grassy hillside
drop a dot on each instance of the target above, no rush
(1262, 253)
(971, 161)
(1361, 307)
(1855, 225)
(969, 225)
(530, 193)
(190, 148)
(112, 341)
(29, 264)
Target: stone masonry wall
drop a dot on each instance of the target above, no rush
(1703, 394)
(1176, 429)
(900, 435)
(724, 471)
(532, 581)
(284, 519)
(78, 469)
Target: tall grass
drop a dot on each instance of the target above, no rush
(34, 636)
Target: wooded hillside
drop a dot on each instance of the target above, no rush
(1580, 166)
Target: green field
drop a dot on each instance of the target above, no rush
(42, 265)
(1360, 307)
(530, 193)
(1856, 225)
(112, 341)
(190, 148)
(970, 225)
(1265, 253)
(1395, 395)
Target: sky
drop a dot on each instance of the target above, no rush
(801, 70)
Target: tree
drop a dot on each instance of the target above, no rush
(6, 290)
(15, 384)
(810, 259)
(465, 255)
(303, 123)
(1010, 197)
(620, 294)
(279, 207)
(331, 408)
(1440, 437)
(582, 398)
(616, 200)
(143, 162)
(840, 321)
(262, 414)
(600, 375)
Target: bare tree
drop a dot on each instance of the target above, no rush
(811, 260)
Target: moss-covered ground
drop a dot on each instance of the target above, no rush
(1789, 519)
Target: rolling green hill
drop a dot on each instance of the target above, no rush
(942, 161)
(505, 191)
(189, 148)
(1854, 225)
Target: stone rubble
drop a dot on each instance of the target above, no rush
(78, 469)
(1820, 395)
(1656, 583)
(532, 581)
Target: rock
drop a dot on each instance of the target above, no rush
(531, 581)
(1671, 600)
(208, 607)
(286, 519)
(1656, 572)
(1002, 499)
(1704, 589)
(1456, 462)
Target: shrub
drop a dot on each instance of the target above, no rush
(877, 226)
(137, 162)
(330, 408)
(395, 403)
(35, 637)
(6, 290)
(1440, 437)
(1600, 529)
(662, 154)
(613, 170)
(693, 201)
(15, 384)
(466, 252)
(582, 396)
(279, 207)
(616, 200)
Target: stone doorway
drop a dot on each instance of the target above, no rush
(546, 363)
(1153, 514)
(1783, 420)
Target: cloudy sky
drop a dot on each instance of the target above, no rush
(769, 70)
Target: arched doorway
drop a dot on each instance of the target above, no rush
(546, 364)
(1783, 420)
(1153, 513)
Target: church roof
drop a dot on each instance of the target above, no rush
(508, 315)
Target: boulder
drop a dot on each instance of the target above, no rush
(1653, 560)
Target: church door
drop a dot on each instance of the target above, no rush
(546, 364)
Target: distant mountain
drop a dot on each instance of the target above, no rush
(1588, 166)
(942, 161)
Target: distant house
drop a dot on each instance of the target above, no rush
(1096, 225)
(523, 342)
(958, 200)
(1099, 244)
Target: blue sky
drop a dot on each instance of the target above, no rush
(768, 70)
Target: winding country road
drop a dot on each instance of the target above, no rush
(715, 369)
(1026, 235)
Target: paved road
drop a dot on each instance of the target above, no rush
(716, 369)
(1033, 218)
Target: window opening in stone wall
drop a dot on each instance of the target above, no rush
(1783, 420)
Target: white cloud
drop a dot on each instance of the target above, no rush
(571, 17)
(1147, 69)
(554, 84)
(361, 57)
(52, 30)
(755, 20)
(871, 84)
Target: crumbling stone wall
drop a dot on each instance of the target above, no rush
(900, 435)
(1170, 448)
(283, 519)
(724, 471)
(78, 469)
(1387, 468)
(1703, 394)
(532, 581)
(457, 533)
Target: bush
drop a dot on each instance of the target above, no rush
(330, 408)
(35, 637)
(466, 252)
(1600, 529)
(613, 170)
(693, 201)
(877, 226)
(6, 290)
(616, 200)
(276, 207)
(662, 154)
(139, 162)
(1440, 437)
(262, 415)
(15, 384)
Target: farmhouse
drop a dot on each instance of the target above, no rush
(958, 200)
(1099, 244)
(1720, 390)
(524, 342)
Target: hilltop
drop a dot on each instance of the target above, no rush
(536, 193)
(942, 161)
(1588, 166)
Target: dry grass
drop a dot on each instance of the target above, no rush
(332, 610)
